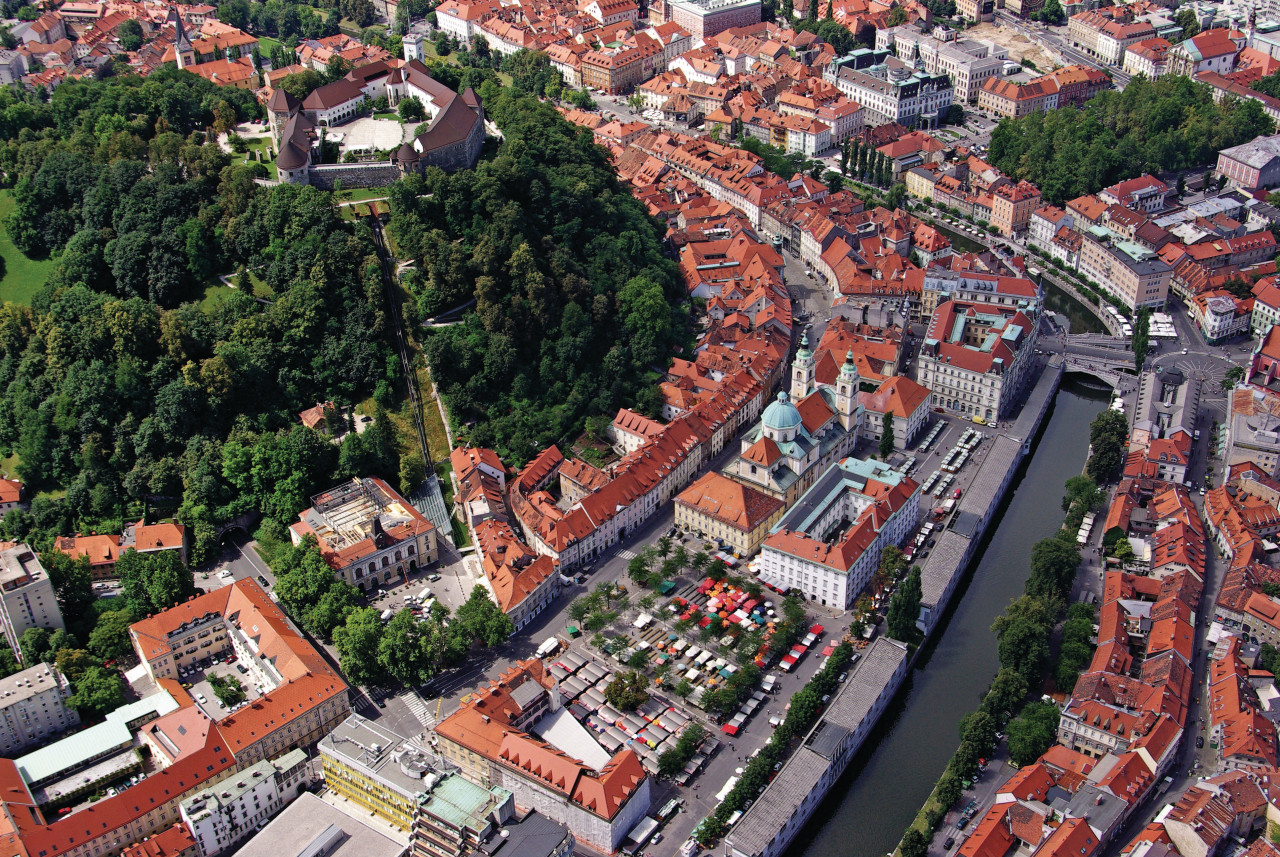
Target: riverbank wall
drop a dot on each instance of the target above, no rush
(1108, 321)
(768, 828)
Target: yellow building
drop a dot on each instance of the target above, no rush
(406, 785)
(720, 508)
(920, 182)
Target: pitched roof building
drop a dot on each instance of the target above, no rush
(490, 739)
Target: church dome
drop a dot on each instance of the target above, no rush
(781, 415)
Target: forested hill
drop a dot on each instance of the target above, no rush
(577, 311)
(1170, 123)
(119, 385)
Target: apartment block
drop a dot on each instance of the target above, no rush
(407, 786)
(976, 357)
(890, 90)
(1012, 206)
(705, 18)
(222, 816)
(866, 505)
(969, 63)
(1128, 271)
(33, 706)
(27, 599)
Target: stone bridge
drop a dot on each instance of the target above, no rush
(1116, 374)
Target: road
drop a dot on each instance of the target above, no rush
(1054, 40)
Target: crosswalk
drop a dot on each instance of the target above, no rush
(627, 554)
(418, 708)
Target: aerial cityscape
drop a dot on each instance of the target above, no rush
(733, 428)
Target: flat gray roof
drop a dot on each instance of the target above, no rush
(1002, 454)
(354, 740)
(866, 681)
(780, 801)
(292, 832)
(937, 570)
(26, 684)
(804, 770)
(534, 836)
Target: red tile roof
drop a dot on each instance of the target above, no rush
(308, 678)
(729, 502)
(175, 841)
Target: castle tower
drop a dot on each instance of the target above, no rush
(847, 384)
(183, 53)
(802, 371)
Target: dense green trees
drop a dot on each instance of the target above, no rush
(1032, 732)
(1141, 336)
(153, 582)
(115, 385)
(407, 648)
(1077, 647)
(306, 587)
(1053, 566)
(96, 691)
(627, 691)
(886, 435)
(1170, 123)
(357, 643)
(1108, 439)
(577, 310)
(1022, 635)
(672, 761)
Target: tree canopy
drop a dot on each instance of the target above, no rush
(1032, 732)
(576, 309)
(1108, 438)
(904, 608)
(1170, 123)
(116, 384)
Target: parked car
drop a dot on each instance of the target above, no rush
(264, 582)
(951, 840)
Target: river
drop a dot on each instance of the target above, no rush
(1081, 319)
(886, 784)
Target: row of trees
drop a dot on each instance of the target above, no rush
(1141, 336)
(1023, 635)
(1170, 123)
(866, 164)
(803, 710)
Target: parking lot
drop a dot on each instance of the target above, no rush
(196, 680)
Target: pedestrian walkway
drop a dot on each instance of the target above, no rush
(627, 554)
(418, 708)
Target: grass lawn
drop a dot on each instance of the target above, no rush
(9, 466)
(23, 277)
(256, 145)
(267, 46)
(260, 289)
(361, 194)
(395, 117)
(437, 439)
(214, 294)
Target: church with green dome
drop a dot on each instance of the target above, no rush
(803, 432)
